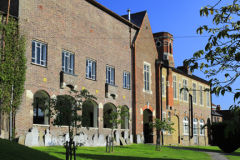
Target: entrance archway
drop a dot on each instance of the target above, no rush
(107, 109)
(90, 113)
(147, 117)
(39, 114)
(125, 123)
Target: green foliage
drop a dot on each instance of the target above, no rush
(227, 144)
(12, 65)
(221, 54)
(64, 109)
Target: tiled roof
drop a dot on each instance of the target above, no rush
(136, 18)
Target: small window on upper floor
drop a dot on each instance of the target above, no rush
(39, 53)
(200, 95)
(208, 98)
(110, 75)
(185, 95)
(174, 87)
(146, 77)
(90, 69)
(126, 80)
(194, 97)
(67, 62)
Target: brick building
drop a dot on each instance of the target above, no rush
(81, 44)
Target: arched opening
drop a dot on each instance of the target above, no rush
(125, 124)
(39, 114)
(175, 134)
(185, 126)
(90, 113)
(201, 124)
(195, 131)
(107, 109)
(147, 118)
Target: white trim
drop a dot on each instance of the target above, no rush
(150, 77)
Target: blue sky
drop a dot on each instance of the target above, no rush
(180, 18)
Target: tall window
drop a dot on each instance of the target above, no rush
(163, 85)
(194, 93)
(185, 126)
(67, 62)
(126, 80)
(200, 95)
(175, 87)
(208, 99)
(90, 69)
(201, 124)
(180, 94)
(146, 77)
(110, 75)
(185, 95)
(195, 126)
(39, 53)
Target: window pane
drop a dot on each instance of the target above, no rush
(109, 75)
(72, 62)
(44, 51)
(33, 52)
(63, 61)
(112, 75)
(66, 63)
(106, 74)
(93, 70)
(38, 54)
(90, 69)
(87, 69)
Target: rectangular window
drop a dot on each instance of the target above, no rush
(39, 53)
(126, 80)
(207, 98)
(67, 62)
(163, 86)
(180, 94)
(110, 75)
(200, 95)
(175, 87)
(194, 93)
(185, 95)
(146, 77)
(90, 69)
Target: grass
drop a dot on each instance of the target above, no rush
(13, 151)
(131, 152)
(232, 156)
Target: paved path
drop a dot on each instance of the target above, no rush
(214, 155)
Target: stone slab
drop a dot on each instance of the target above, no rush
(21, 139)
(122, 141)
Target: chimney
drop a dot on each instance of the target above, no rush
(129, 15)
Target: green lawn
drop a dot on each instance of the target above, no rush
(232, 156)
(13, 151)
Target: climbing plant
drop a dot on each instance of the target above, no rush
(12, 65)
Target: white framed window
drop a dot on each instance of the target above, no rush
(180, 94)
(91, 69)
(146, 77)
(200, 95)
(185, 95)
(208, 99)
(185, 126)
(126, 80)
(163, 86)
(110, 75)
(194, 97)
(174, 87)
(201, 124)
(67, 62)
(195, 126)
(39, 53)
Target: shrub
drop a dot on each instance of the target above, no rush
(227, 144)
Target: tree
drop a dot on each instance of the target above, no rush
(64, 109)
(164, 125)
(115, 117)
(12, 67)
(221, 54)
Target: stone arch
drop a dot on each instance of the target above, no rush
(39, 114)
(147, 107)
(125, 119)
(90, 113)
(107, 109)
(147, 118)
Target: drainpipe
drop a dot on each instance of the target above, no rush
(161, 94)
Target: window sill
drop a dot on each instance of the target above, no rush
(38, 65)
(149, 92)
(112, 85)
(70, 73)
(91, 79)
(41, 125)
(127, 88)
(90, 127)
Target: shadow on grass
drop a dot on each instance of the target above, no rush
(113, 157)
(207, 150)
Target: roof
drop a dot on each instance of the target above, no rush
(98, 5)
(136, 18)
